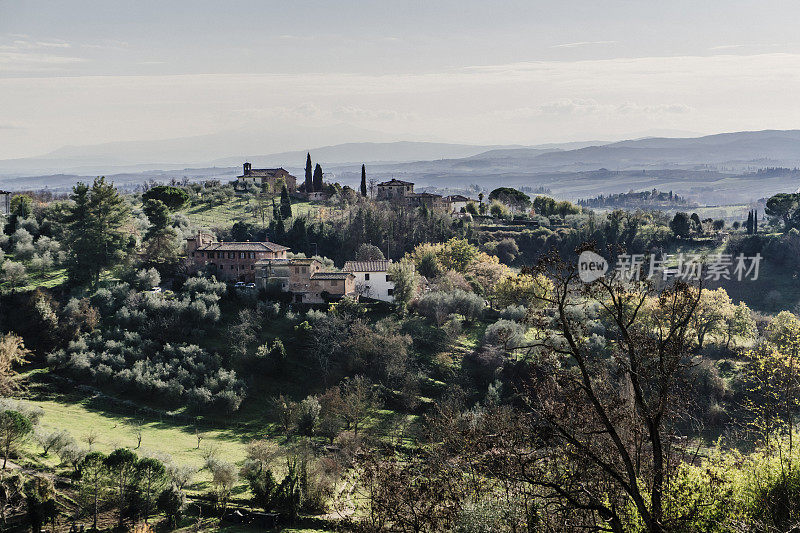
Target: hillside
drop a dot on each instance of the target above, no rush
(714, 169)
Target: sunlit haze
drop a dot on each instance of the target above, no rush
(80, 72)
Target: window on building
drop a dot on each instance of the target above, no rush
(366, 277)
(231, 267)
(296, 270)
(334, 283)
(305, 270)
(390, 292)
(388, 278)
(241, 255)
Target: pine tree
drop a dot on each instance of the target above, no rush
(317, 178)
(286, 203)
(309, 184)
(363, 181)
(160, 240)
(95, 235)
(749, 224)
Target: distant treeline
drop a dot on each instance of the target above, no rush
(777, 171)
(654, 198)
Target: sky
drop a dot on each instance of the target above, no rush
(500, 72)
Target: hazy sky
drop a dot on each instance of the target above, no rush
(80, 72)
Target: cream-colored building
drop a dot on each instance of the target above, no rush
(372, 279)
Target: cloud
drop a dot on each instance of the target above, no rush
(582, 43)
(107, 44)
(19, 45)
(35, 61)
(578, 107)
(357, 113)
(726, 47)
(526, 102)
(26, 55)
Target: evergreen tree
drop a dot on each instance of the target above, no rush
(280, 231)
(317, 178)
(363, 181)
(697, 225)
(160, 240)
(749, 224)
(681, 224)
(174, 198)
(309, 184)
(22, 206)
(95, 235)
(157, 214)
(755, 221)
(286, 203)
(276, 213)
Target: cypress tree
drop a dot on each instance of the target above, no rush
(363, 181)
(749, 224)
(276, 213)
(280, 231)
(309, 184)
(317, 178)
(286, 204)
(755, 221)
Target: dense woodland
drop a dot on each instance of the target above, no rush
(497, 393)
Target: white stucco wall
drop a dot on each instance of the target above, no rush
(377, 284)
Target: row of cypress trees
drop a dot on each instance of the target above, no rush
(314, 180)
(752, 222)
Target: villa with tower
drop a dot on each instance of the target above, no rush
(271, 179)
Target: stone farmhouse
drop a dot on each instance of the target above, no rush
(458, 202)
(305, 279)
(393, 189)
(271, 179)
(231, 261)
(403, 192)
(266, 263)
(372, 279)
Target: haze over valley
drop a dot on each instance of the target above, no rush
(715, 169)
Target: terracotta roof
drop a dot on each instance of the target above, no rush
(458, 198)
(288, 262)
(242, 247)
(366, 266)
(395, 182)
(264, 172)
(331, 275)
(423, 195)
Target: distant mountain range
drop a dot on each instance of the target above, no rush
(695, 166)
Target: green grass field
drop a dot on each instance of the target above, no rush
(240, 209)
(165, 440)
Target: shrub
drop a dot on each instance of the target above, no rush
(514, 312)
(24, 251)
(505, 333)
(147, 278)
(14, 273)
(308, 416)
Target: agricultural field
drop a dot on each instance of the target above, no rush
(242, 208)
